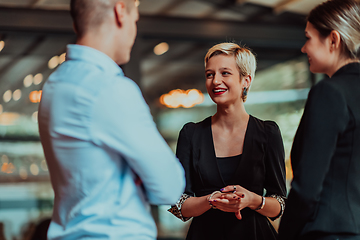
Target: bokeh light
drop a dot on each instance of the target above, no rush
(161, 48)
(181, 98)
(28, 80)
(16, 94)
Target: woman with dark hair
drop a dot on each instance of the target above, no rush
(231, 158)
(324, 201)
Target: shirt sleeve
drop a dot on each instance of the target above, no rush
(275, 183)
(123, 123)
(315, 141)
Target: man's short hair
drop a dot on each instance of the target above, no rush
(90, 14)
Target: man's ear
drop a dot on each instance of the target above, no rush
(335, 39)
(74, 28)
(119, 12)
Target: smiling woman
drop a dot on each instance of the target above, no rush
(233, 152)
(325, 156)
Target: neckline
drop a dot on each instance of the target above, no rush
(229, 157)
(247, 143)
(246, 131)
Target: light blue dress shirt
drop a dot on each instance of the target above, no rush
(97, 132)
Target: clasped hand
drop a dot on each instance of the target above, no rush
(232, 198)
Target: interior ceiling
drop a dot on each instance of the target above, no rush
(36, 30)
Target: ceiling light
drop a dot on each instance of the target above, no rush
(161, 48)
(181, 98)
(53, 62)
(62, 58)
(38, 78)
(34, 169)
(2, 45)
(35, 96)
(28, 80)
(44, 165)
(137, 3)
(8, 168)
(16, 94)
(23, 173)
(7, 96)
(34, 116)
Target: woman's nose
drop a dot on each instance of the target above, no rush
(303, 49)
(216, 80)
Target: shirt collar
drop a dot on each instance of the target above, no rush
(91, 55)
(352, 68)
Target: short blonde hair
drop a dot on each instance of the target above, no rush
(245, 59)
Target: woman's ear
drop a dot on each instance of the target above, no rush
(335, 40)
(247, 81)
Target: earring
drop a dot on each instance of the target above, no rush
(244, 94)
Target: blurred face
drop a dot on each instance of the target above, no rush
(129, 30)
(317, 49)
(223, 81)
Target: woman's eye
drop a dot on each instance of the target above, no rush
(207, 75)
(225, 73)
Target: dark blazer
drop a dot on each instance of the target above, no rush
(261, 167)
(325, 194)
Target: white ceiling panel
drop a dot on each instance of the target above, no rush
(192, 9)
(229, 15)
(53, 4)
(151, 7)
(303, 6)
(267, 3)
(15, 3)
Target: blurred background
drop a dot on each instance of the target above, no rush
(167, 64)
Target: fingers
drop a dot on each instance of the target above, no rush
(231, 188)
(233, 196)
(238, 215)
(226, 205)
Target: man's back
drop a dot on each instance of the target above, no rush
(97, 132)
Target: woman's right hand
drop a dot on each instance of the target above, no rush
(227, 202)
(234, 198)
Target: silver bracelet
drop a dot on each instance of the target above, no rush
(212, 206)
(261, 206)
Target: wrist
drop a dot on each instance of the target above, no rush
(261, 205)
(211, 196)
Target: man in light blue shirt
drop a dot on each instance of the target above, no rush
(107, 161)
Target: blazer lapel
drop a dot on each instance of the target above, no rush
(213, 168)
(243, 166)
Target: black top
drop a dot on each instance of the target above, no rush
(325, 194)
(261, 167)
(227, 167)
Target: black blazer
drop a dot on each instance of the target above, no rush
(325, 194)
(261, 167)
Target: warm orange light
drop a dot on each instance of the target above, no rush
(35, 96)
(7, 168)
(289, 172)
(161, 48)
(181, 98)
(8, 118)
(2, 45)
